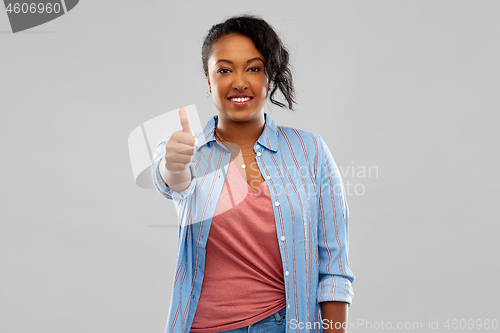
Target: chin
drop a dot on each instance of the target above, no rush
(242, 115)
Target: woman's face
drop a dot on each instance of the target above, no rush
(237, 79)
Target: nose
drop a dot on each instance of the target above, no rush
(239, 82)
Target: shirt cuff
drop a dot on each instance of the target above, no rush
(335, 288)
(165, 190)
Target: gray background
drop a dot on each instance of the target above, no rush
(408, 87)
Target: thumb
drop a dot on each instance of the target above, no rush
(184, 119)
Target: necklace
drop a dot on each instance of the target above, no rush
(236, 153)
(244, 165)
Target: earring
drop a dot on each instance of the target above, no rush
(208, 92)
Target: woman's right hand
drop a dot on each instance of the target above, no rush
(181, 146)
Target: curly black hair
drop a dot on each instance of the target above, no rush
(265, 39)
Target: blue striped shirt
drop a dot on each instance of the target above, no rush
(310, 212)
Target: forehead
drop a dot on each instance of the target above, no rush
(234, 48)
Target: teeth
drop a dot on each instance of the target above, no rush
(240, 99)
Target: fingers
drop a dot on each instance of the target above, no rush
(185, 149)
(175, 167)
(179, 151)
(179, 158)
(184, 138)
(181, 146)
(184, 119)
(177, 161)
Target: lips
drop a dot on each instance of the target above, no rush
(240, 97)
(240, 100)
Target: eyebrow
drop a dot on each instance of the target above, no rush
(248, 61)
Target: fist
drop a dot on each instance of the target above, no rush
(180, 147)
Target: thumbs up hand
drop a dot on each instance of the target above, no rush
(180, 147)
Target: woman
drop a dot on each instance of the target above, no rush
(263, 233)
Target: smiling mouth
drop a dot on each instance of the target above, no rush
(240, 99)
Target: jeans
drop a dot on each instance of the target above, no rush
(275, 323)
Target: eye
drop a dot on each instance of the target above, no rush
(254, 69)
(223, 71)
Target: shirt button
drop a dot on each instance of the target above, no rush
(283, 238)
(259, 153)
(286, 273)
(268, 177)
(289, 305)
(256, 147)
(276, 203)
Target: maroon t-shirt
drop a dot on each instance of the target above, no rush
(243, 281)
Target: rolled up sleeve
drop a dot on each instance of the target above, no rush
(158, 181)
(335, 276)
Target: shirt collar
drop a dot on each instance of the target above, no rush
(268, 138)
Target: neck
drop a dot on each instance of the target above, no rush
(241, 133)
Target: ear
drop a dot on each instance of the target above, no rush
(208, 79)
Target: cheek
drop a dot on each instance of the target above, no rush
(262, 84)
(219, 86)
